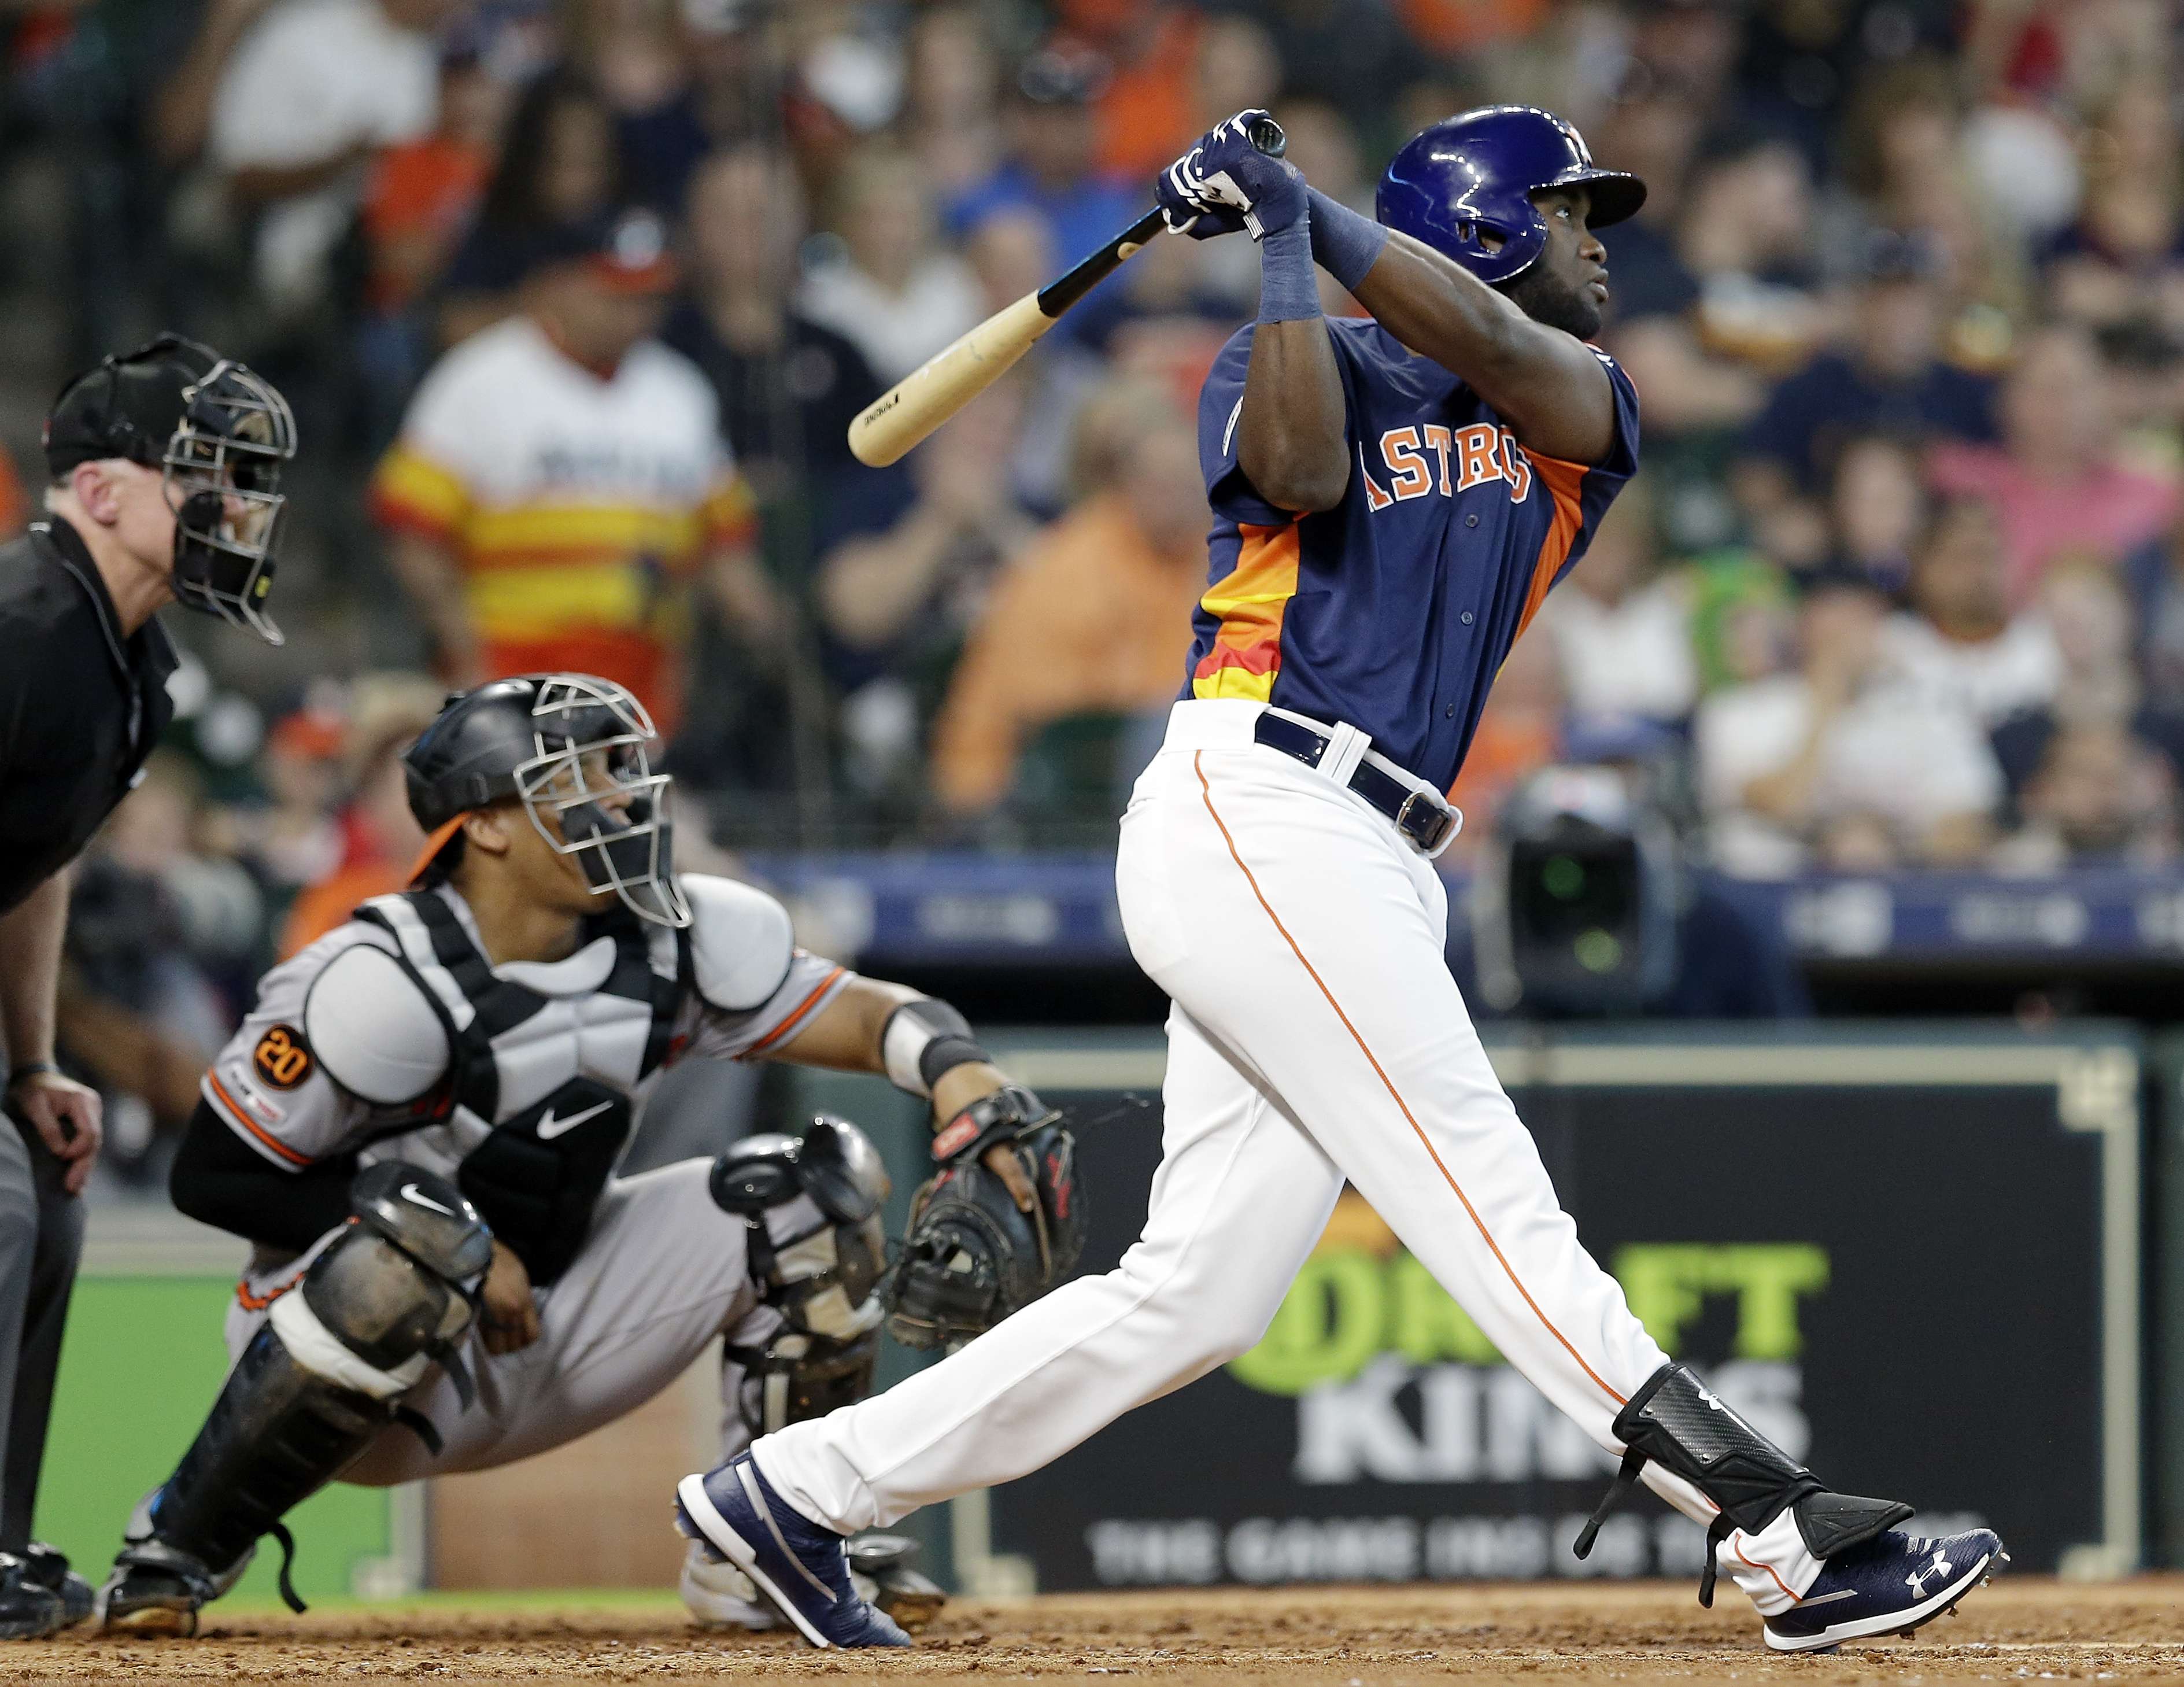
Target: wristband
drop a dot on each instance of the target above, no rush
(1289, 287)
(1344, 243)
(922, 1041)
(30, 1068)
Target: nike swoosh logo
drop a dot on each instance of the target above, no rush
(411, 1192)
(550, 1127)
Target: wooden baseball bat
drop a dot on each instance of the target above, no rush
(911, 409)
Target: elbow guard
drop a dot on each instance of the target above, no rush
(922, 1041)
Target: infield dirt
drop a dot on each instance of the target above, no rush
(2016, 1630)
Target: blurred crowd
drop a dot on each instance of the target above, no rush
(576, 299)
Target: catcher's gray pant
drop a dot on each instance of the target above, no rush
(1317, 1037)
(40, 1240)
(661, 1275)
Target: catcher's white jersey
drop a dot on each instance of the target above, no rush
(340, 1052)
(343, 1053)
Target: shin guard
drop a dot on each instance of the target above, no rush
(1676, 1423)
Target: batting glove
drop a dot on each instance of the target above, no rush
(1226, 176)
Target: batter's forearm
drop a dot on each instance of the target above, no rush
(1291, 441)
(30, 935)
(1547, 383)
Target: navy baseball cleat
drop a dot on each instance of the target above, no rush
(1894, 1584)
(800, 1567)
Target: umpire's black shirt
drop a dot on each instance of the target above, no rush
(80, 705)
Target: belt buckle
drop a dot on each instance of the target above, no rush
(1443, 833)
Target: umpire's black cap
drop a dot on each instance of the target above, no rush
(126, 406)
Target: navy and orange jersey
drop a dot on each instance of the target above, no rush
(1394, 610)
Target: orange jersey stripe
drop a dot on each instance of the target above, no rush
(1562, 481)
(1250, 600)
(237, 1116)
(794, 1019)
(1198, 766)
(258, 1303)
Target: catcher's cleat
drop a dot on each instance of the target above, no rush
(1894, 1584)
(28, 1610)
(879, 1569)
(154, 1592)
(719, 1595)
(49, 1569)
(800, 1567)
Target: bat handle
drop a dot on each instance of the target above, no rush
(1267, 137)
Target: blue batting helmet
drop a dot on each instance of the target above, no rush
(1475, 175)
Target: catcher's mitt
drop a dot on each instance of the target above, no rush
(972, 1256)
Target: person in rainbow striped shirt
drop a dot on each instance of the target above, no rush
(561, 486)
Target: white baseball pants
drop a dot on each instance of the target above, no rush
(1316, 1036)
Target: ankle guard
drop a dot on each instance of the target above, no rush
(321, 1378)
(1675, 1422)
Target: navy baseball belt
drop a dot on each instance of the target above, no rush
(1424, 816)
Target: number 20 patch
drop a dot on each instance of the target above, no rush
(282, 1058)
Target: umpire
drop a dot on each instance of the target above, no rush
(165, 484)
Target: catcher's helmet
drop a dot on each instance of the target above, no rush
(560, 742)
(1476, 173)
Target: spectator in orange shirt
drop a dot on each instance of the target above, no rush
(380, 837)
(1094, 618)
(420, 195)
(1452, 27)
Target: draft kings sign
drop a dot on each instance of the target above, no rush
(1375, 1435)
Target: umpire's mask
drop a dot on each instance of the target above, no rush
(219, 434)
(572, 746)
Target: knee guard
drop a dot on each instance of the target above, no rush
(810, 1211)
(319, 1380)
(1677, 1423)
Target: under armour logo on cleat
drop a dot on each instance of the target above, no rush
(1916, 1581)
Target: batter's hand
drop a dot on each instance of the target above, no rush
(508, 1317)
(1227, 172)
(1181, 191)
(69, 1118)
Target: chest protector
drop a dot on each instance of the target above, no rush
(539, 1086)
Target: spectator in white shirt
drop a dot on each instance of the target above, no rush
(896, 294)
(1958, 646)
(313, 90)
(1622, 629)
(1837, 766)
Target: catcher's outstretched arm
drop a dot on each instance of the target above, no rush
(918, 1044)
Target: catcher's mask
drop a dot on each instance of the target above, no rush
(572, 746)
(817, 1247)
(218, 434)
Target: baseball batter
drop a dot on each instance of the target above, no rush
(417, 1128)
(1392, 501)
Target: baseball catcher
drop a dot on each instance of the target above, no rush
(417, 1128)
